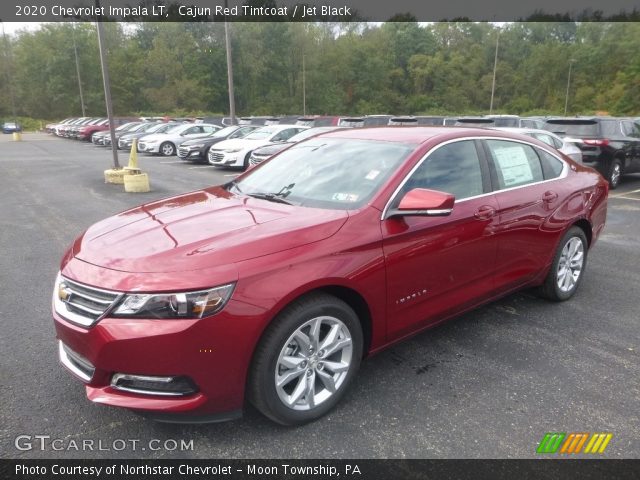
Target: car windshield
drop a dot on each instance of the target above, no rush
(224, 133)
(140, 128)
(261, 133)
(178, 128)
(330, 173)
(298, 137)
(161, 128)
(125, 126)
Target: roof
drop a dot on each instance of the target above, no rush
(413, 135)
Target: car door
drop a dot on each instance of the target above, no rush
(631, 130)
(439, 265)
(527, 197)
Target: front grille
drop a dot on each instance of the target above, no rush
(183, 152)
(215, 156)
(82, 304)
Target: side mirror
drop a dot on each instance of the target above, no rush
(423, 202)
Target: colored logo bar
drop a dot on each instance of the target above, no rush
(573, 443)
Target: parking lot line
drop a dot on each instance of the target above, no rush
(626, 198)
(622, 195)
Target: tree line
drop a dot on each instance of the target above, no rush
(343, 68)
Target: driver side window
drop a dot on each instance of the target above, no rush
(453, 168)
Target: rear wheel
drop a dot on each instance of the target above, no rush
(306, 360)
(568, 266)
(167, 149)
(615, 173)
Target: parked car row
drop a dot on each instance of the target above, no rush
(84, 128)
(608, 144)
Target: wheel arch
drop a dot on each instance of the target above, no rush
(349, 295)
(585, 226)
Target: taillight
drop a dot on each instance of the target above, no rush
(598, 142)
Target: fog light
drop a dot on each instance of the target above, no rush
(147, 385)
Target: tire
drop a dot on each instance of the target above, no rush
(290, 380)
(614, 173)
(245, 164)
(167, 149)
(568, 266)
(205, 158)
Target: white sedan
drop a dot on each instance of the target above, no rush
(236, 152)
(168, 142)
(560, 144)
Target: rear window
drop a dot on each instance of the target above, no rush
(506, 122)
(588, 128)
(610, 128)
(475, 122)
(435, 121)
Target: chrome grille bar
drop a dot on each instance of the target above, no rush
(81, 304)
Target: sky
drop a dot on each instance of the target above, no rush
(12, 27)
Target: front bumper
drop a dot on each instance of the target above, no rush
(214, 353)
(225, 159)
(185, 153)
(148, 147)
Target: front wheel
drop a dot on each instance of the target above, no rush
(245, 163)
(167, 149)
(568, 266)
(306, 360)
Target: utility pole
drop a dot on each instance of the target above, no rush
(9, 62)
(227, 41)
(75, 52)
(107, 89)
(566, 97)
(304, 88)
(495, 67)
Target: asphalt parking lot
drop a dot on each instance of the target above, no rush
(488, 384)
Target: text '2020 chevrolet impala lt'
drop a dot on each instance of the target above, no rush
(273, 287)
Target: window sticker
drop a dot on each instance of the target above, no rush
(345, 197)
(372, 175)
(514, 165)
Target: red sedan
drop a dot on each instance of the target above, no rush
(273, 287)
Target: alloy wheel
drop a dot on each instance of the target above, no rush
(570, 265)
(313, 363)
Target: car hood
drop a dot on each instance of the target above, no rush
(242, 143)
(200, 230)
(207, 140)
(160, 136)
(272, 148)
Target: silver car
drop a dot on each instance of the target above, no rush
(167, 143)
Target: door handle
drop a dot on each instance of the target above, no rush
(549, 196)
(485, 212)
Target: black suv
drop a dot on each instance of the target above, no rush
(610, 145)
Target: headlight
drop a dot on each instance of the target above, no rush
(233, 150)
(175, 305)
(197, 145)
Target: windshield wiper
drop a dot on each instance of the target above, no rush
(272, 197)
(232, 184)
